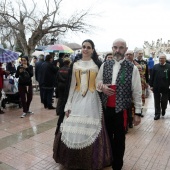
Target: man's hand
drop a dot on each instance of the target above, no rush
(136, 120)
(67, 113)
(105, 89)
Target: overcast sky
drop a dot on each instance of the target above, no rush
(135, 21)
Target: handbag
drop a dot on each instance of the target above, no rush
(11, 81)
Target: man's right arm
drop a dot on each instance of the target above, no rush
(136, 90)
(99, 79)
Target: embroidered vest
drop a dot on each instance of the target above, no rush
(123, 84)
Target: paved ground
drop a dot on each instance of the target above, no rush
(26, 143)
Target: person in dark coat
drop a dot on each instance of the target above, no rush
(59, 62)
(38, 74)
(159, 84)
(48, 81)
(61, 85)
(11, 67)
(25, 85)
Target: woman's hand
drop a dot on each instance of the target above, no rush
(25, 66)
(67, 113)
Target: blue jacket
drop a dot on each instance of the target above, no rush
(150, 63)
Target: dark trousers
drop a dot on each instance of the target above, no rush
(131, 112)
(60, 111)
(60, 120)
(48, 95)
(115, 127)
(150, 72)
(41, 94)
(26, 94)
(160, 102)
(59, 107)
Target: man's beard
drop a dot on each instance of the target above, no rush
(118, 56)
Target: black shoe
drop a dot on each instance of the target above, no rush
(52, 107)
(157, 117)
(163, 112)
(2, 112)
(130, 125)
(141, 115)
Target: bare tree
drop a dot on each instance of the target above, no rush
(29, 26)
(6, 37)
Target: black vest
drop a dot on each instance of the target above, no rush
(123, 84)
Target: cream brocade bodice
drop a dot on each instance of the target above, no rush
(85, 73)
(83, 79)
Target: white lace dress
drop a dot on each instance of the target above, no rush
(83, 125)
(83, 142)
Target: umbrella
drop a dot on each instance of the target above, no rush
(59, 48)
(7, 56)
(40, 48)
(37, 53)
(74, 46)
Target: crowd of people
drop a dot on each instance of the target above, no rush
(97, 100)
(102, 101)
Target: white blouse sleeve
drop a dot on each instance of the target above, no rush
(136, 90)
(99, 78)
(68, 105)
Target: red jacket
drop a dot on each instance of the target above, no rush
(1, 77)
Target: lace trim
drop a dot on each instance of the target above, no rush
(90, 140)
(82, 130)
(83, 120)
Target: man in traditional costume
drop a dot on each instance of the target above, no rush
(129, 55)
(145, 78)
(119, 81)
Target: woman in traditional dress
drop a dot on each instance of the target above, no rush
(82, 142)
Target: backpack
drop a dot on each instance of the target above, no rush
(24, 77)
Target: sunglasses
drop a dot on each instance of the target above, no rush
(86, 47)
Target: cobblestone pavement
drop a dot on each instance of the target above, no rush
(26, 143)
